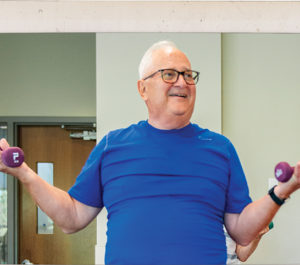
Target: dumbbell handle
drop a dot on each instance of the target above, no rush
(283, 172)
(12, 157)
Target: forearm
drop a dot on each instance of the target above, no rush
(257, 215)
(244, 227)
(56, 203)
(67, 213)
(244, 252)
(253, 219)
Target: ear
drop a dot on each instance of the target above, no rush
(142, 89)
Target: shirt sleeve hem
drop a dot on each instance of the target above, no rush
(84, 201)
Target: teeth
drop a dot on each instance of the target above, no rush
(178, 95)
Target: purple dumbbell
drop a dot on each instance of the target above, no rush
(283, 172)
(12, 157)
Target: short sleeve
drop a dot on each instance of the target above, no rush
(238, 192)
(88, 188)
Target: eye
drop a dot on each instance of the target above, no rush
(188, 75)
(169, 74)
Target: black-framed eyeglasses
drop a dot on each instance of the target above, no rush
(171, 76)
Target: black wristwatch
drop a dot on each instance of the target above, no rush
(274, 197)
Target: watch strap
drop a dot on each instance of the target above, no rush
(274, 197)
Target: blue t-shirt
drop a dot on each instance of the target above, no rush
(166, 192)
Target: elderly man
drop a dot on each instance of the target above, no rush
(168, 185)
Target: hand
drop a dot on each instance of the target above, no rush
(297, 172)
(283, 190)
(3, 146)
(11, 159)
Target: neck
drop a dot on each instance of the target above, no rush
(169, 124)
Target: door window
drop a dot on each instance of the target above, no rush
(3, 207)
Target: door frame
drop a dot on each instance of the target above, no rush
(13, 122)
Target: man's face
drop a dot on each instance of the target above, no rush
(164, 100)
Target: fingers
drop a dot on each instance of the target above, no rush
(296, 175)
(297, 170)
(265, 230)
(3, 144)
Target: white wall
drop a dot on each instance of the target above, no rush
(261, 92)
(48, 74)
(118, 101)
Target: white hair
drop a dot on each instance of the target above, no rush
(146, 59)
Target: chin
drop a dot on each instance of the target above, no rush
(183, 112)
(180, 111)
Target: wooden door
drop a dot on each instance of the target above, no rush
(53, 144)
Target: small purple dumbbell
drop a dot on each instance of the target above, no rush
(283, 172)
(12, 157)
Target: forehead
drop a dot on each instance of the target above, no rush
(170, 57)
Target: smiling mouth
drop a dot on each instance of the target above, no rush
(178, 95)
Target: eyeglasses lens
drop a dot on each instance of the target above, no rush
(171, 76)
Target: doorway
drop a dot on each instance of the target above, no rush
(67, 152)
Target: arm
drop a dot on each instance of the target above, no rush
(244, 252)
(238, 225)
(69, 214)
